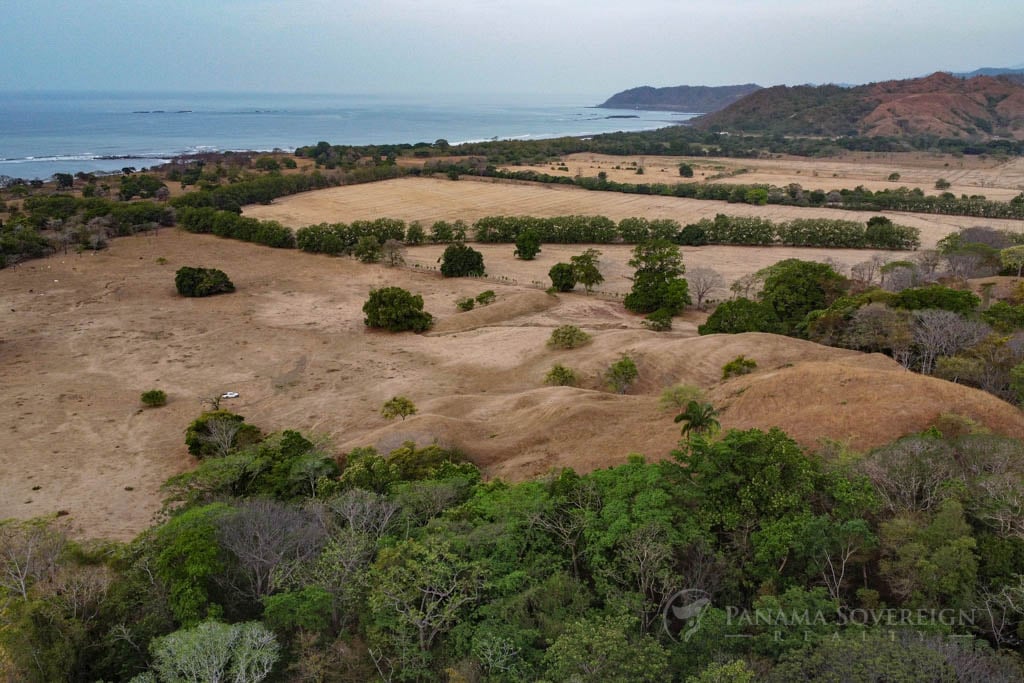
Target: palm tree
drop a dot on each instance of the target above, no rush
(699, 418)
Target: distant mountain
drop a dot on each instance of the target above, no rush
(941, 104)
(992, 71)
(688, 98)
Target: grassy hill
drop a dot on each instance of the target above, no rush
(940, 105)
(687, 98)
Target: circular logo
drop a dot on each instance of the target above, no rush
(683, 613)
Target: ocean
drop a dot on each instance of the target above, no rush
(53, 132)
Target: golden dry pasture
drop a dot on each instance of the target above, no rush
(85, 335)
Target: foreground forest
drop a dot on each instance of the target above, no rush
(898, 564)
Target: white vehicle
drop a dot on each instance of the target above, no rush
(229, 394)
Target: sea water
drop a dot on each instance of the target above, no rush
(59, 132)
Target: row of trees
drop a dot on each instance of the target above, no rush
(277, 562)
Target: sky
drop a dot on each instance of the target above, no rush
(493, 47)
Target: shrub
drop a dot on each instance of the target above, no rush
(621, 374)
(676, 398)
(466, 304)
(560, 376)
(894, 177)
(567, 337)
(941, 184)
(397, 406)
(563, 277)
(659, 321)
(460, 260)
(396, 310)
(154, 398)
(201, 281)
(486, 297)
(685, 170)
(740, 365)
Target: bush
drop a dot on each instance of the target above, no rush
(154, 398)
(675, 398)
(396, 310)
(460, 260)
(466, 304)
(740, 365)
(659, 321)
(941, 184)
(560, 376)
(567, 337)
(201, 281)
(621, 374)
(685, 170)
(563, 277)
(486, 297)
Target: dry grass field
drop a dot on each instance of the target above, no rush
(1000, 179)
(431, 199)
(83, 336)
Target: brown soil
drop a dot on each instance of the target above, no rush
(85, 335)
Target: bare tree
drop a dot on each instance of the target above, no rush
(899, 275)
(944, 333)
(393, 253)
(703, 281)
(928, 261)
(878, 328)
(365, 512)
(220, 434)
(868, 271)
(29, 552)
(747, 286)
(269, 541)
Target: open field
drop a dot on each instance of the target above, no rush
(431, 199)
(85, 335)
(1000, 179)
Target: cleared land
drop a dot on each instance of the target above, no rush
(85, 335)
(431, 199)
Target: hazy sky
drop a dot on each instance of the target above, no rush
(574, 47)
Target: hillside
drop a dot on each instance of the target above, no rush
(86, 334)
(942, 105)
(687, 98)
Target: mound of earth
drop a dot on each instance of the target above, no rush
(856, 403)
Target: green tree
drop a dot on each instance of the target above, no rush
(586, 269)
(368, 249)
(685, 170)
(201, 281)
(397, 406)
(396, 310)
(699, 418)
(621, 374)
(1013, 257)
(460, 260)
(527, 244)
(217, 432)
(741, 315)
(563, 277)
(211, 651)
(657, 282)
(606, 649)
(793, 288)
